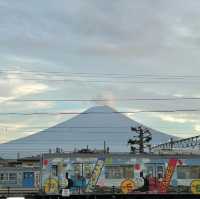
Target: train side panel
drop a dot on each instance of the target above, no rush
(119, 174)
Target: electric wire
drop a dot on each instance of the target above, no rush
(103, 100)
(99, 112)
(86, 77)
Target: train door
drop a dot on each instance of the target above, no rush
(28, 179)
(155, 170)
(155, 173)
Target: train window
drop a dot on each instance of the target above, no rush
(188, 172)
(150, 170)
(128, 172)
(160, 171)
(4, 176)
(1, 176)
(114, 172)
(12, 177)
(119, 172)
(54, 170)
(154, 170)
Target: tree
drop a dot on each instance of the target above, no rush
(139, 142)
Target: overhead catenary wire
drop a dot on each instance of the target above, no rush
(117, 130)
(52, 76)
(69, 132)
(99, 112)
(91, 75)
(63, 141)
(103, 100)
(103, 81)
(68, 127)
(73, 127)
(125, 75)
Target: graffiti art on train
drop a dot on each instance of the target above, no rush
(195, 186)
(105, 173)
(127, 186)
(51, 186)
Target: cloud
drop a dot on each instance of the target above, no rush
(29, 89)
(42, 105)
(109, 98)
(197, 127)
(11, 130)
(130, 37)
(12, 87)
(181, 118)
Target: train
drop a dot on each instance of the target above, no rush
(68, 174)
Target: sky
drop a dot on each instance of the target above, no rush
(139, 42)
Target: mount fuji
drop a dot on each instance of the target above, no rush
(80, 131)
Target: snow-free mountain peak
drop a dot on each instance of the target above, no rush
(91, 128)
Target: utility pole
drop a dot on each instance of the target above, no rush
(171, 143)
(141, 140)
(104, 146)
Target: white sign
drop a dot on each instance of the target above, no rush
(65, 192)
(15, 198)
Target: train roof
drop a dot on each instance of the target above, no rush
(120, 155)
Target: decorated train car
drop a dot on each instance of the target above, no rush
(119, 173)
(56, 174)
(20, 177)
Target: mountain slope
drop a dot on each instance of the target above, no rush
(82, 130)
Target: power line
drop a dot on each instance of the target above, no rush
(58, 129)
(84, 75)
(61, 141)
(104, 100)
(72, 127)
(97, 74)
(98, 112)
(100, 81)
(52, 76)
(85, 132)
